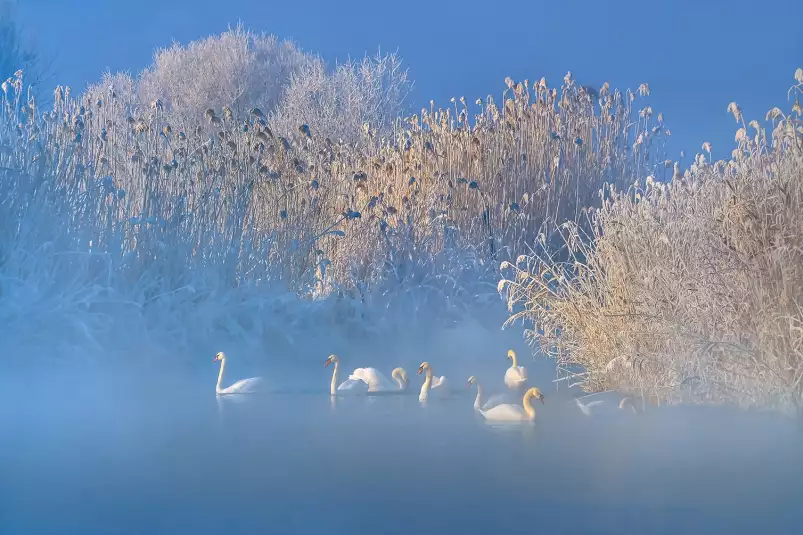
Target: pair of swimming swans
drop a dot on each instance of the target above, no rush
(369, 379)
(491, 410)
(374, 381)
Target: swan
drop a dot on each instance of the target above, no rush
(628, 401)
(377, 382)
(586, 407)
(349, 385)
(624, 404)
(511, 412)
(491, 402)
(515, 376)
(246, 386)
(430, 381)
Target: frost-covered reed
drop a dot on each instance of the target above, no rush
(114, 208)
(689, 289)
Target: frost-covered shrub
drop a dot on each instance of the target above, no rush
(340, 104)
(239, 70)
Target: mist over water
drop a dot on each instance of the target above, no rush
(239, 195)
(118, 451)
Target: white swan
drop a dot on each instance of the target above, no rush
(515, 376)
(624, 404)
(430, 381)
(347, 386)
(586, 407)
(628, 401)
(490, 402)
(377, 382)
(246, 386)
(514, 412)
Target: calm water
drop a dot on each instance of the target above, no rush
(181, 461)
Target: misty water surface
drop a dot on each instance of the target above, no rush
(76, 459)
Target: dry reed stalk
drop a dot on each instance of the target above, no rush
(690, 290)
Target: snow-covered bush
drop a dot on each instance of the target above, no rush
(239, 70)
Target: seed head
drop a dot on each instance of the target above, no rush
(735, 110)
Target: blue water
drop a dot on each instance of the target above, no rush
(153, 461)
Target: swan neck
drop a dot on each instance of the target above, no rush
(515, 361)
(425, 387)
(220, 375)
(527, 402)
(428, 379)
(478, 399)
(399, 381)
(333, 386)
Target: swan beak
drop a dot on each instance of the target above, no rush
(542, 399)
(326, 363)
(468, 385)
(419, 371)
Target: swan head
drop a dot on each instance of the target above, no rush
(511, 354)
(401, 373)
(219, 356)
(424, 366)
(330, 359)
(471, 380)
(535, 393)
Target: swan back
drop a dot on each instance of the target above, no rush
(244, 386)
(515, 377)
(373, 378)
(505, 411)
(496, 399)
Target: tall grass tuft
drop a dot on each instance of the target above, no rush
(689, 289)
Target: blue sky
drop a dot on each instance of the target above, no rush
(697, 56)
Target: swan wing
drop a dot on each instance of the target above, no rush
(438, 381)
(373, 378)
(515, 377)
(504, 412)
(496, 399)
(353, 385)
(586, 407)
(245, 386)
